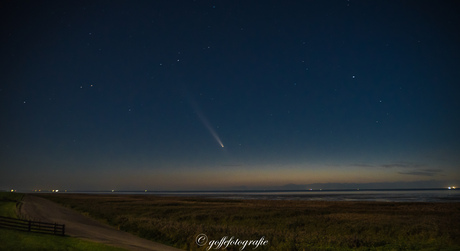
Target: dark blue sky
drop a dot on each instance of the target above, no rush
(140, 94)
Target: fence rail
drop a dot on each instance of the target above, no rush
(32, 226)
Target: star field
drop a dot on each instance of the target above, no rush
(171, 95)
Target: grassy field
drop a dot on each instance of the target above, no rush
(287, 225)
(19, 240)
(9, 203)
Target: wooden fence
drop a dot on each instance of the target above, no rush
(32, 226)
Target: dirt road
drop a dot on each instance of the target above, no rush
(80, 226)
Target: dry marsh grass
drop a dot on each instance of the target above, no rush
(288, 225)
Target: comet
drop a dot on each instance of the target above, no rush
(211, 130)
(206, 123)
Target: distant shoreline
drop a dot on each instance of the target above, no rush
(375, 195)
(243, 191)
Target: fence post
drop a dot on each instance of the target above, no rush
(63, 229)
(30, 225)
(54, 232)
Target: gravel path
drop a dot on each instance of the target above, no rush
(80, 226)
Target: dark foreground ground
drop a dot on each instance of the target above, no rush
(287, 225)
(80, 226)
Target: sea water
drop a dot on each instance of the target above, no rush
(383, 195)
(358, 195)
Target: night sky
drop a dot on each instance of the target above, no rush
(173, 95)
